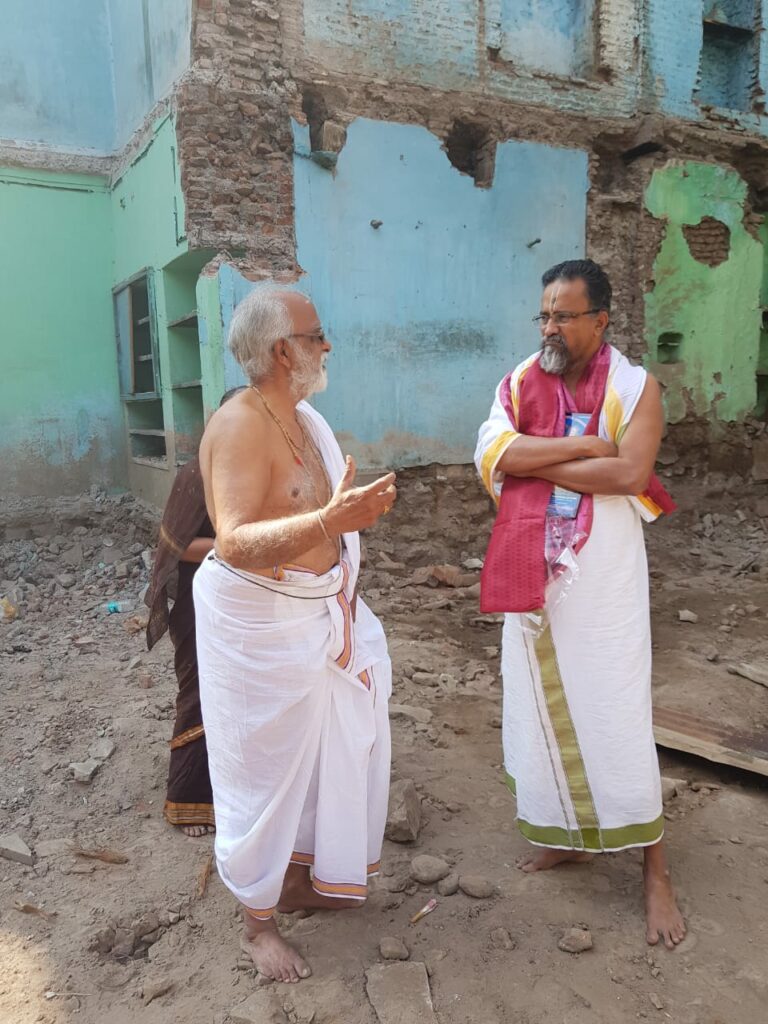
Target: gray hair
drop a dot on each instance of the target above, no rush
(258, 322)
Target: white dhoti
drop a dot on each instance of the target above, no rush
(294, 696)
(577, 725)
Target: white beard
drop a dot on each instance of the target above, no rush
(309, 377)
(554, 359)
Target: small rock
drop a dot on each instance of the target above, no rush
(735, 839)
(670, 788)
(476, 886)
(473, 564)
(13, 847)
(102, 749)
(73, 555)
(393, 949)
(404, 818)
(427, 869)
(146, 682)
(133, 663)
(125, 942)
(501, 939)
(153, 990)
(711, 653)
(575, 940)
(84, 771)
(52, 847)
(66, 580)
(399, 993)
(449, 885)
(122, 569)
(684, 615)
(422, 715)
(656, 1001)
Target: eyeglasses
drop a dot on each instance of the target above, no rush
(314, 335)
(562, 318)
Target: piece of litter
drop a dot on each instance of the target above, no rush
(30, 908)
(103, 854)
(203, 875)
(426, 909)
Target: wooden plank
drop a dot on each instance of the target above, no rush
(679, 730)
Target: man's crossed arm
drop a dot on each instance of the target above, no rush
(590, 465)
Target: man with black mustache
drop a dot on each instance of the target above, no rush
(568, 454)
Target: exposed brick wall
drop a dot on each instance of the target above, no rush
(233, 124)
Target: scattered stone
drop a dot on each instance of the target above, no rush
(735, 839)
(125, 942)
(472, 564)
(426, 678)
(393, 949)
(261, 1007)
(84, 771)
(13, 847)
(399, 993)
(404, 819)
(122, 570)
(422, 715)
(66, 580)
(53, 847)
(711, 653)
(133, 663)
(575, 940)
(684, 615)
(449, 885)
(146, 682)
(102, 749)
(655, 1001)
(73, 555)
(427, 869)
(754, 673)
(476, 886)
(153, 990)
(670, 788)
(501, 939)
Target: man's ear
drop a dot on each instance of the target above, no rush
(280, 350)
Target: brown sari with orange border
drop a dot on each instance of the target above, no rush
(189, 800)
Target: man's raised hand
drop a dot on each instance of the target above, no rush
(355, 508)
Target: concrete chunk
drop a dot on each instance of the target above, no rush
(13, 847)
(399, 993)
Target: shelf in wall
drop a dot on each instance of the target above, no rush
(144, 359)
(144, 396)
(146, 432)
(724, 28)
(154, 462)
(144, 320)
(188, 320)
(188, 384)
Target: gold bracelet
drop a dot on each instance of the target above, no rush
(323, 526)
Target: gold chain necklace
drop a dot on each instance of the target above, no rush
(295, 450)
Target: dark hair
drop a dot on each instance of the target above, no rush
(231, 393)
(592, 274)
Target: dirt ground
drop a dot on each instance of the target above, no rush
(72, 675)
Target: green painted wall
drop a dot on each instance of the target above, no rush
(60, 415)
(148, 207)
(703, 322)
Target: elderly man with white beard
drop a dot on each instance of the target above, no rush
(294, 671)
(568, 454)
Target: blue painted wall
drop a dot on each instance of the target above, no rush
(55, 74)
(151, 49)
(82, 75)
(428, 311)
(549, 35)
(696, 64)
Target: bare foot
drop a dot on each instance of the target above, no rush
(195, 831)
(546, 859)
(271, 954)
(662, 914)
(298, 894)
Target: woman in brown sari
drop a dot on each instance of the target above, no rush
(186, 537)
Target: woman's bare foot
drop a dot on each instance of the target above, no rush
(271, 954)
(298, 894)
(196, 831)
(543, 860)
(662, 914)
